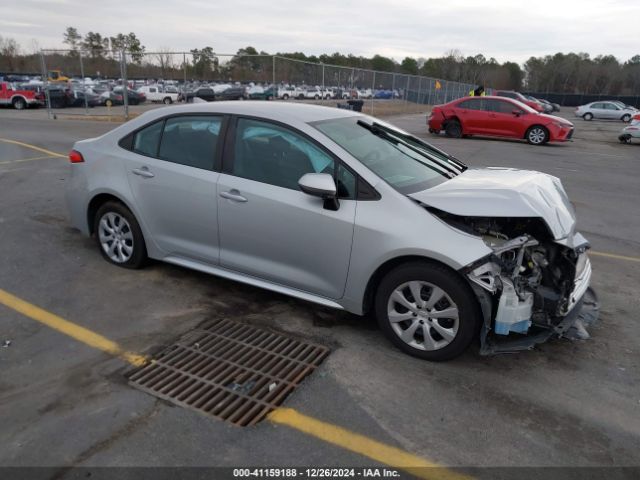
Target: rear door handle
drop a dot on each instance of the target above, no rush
(233, 195)
(143, 172)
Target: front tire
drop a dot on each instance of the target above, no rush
(537, 135)
(626, 118)
(427, 311)
(119, 236)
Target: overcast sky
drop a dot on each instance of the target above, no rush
(504, 29)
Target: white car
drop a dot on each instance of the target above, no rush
(605, 110)
(367, 93)
(154, 93)
(291, 92)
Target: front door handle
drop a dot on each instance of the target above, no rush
(233, 195)
(143, 172)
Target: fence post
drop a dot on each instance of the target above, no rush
(84, 84)
(419, 90)
(184, 66)
(373, 87)
(393, 87)
(273, 74)
(45, 82)
(406, 94)
(125, 83)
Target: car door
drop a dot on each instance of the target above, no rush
(613, 111)
(598, 110)
(268, 227)
(170, 168)
(505, 122)
(472, 116)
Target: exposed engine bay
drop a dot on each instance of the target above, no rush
(531, 284)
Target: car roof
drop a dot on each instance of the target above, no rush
(281, 111)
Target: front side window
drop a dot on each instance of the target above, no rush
(500, 106)
(272, 154)
(191, 140)
(405, 162)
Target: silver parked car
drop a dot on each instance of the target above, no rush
(339, 208)
(605, 110)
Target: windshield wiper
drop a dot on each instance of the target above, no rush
(390, 136)
(424, 145)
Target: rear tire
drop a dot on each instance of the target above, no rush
(407, 322)
(453, 129)
(119, 236)
(588, 116)
(19, 103)
(167, 101)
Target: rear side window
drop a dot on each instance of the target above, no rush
(191, 141)
(146, 140)
(471, 104)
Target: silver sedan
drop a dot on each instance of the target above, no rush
(344, 210)
(605, 110)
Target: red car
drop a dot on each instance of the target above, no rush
(499, 117)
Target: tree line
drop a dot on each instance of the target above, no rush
(559, 73)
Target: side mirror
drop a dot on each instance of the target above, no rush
(320, 185)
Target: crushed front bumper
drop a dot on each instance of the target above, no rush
(583, 314)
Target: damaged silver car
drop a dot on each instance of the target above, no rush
(341, 209)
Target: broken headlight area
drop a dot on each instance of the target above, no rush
(531, 288)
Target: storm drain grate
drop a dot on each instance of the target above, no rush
(230, 370)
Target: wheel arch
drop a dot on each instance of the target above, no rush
(390, 264)
(97, 201)
(530, 127)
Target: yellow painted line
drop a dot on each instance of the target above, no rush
(360, 444)
(33, 147)
(68, 328)
(7, 162)
(333, 434)
(613, 255)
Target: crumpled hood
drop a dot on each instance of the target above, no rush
(504, 192)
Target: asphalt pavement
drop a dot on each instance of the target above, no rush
(66, 404)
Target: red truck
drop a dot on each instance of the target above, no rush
(20, 98)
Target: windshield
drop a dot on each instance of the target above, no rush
(405, 162)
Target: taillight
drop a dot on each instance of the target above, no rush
(75, 157)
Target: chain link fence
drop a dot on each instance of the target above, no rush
(94, 82)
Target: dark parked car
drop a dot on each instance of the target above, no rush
(78, 98)
(204, 93)
(110, 98)
(266, 94)
(232, 93)
(134, 98)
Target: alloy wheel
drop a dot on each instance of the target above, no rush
(537, 135)
(423, 315)
(116, 237)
